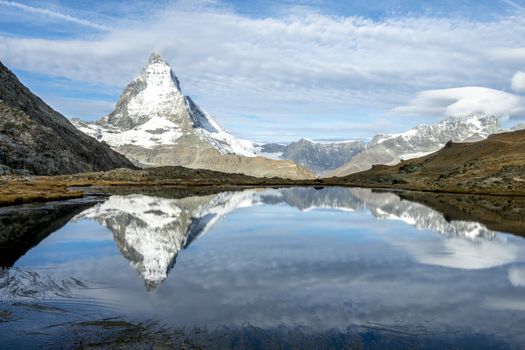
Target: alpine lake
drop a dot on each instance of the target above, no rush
(276, 268)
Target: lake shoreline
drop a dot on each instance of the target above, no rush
(16, 190)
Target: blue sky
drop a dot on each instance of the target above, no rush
(282, 69)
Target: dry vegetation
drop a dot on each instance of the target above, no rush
(19, 190)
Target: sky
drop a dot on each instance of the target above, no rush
(279, 70)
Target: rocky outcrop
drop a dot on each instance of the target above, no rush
(36, 139)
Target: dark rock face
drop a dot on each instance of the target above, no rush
(38, 140)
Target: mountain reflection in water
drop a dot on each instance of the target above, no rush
(150, 231)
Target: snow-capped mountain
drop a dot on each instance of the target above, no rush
(155, 124)
(422, 140)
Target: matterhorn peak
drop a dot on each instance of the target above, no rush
(153, 112)
(159, 73)
(154, 123)
(155, 57)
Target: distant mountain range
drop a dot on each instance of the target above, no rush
(35, 139)
(319, 157)
(328, 159)
(419, 141)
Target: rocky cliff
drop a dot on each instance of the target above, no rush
(36, 139)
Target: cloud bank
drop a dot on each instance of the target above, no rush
(295, 68)
(465, 101)
(517, 276)
(518, 82)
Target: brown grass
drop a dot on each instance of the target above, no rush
(28, 190)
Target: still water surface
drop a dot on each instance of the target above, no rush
(296, 267)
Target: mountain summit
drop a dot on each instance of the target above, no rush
(155, 124)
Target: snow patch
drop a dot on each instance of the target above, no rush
(157, 131)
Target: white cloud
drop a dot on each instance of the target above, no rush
(518, 82)
(53, 14)
(463, 254)
(464, 101)
(517, 276)
(515, 5)
(236, 65)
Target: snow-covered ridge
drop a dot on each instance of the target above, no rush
(458, 128)
(330, 142)
(425, 139)
(157, 131)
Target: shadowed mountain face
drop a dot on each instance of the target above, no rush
(36, 139)
(23, 227)
(151, 230)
